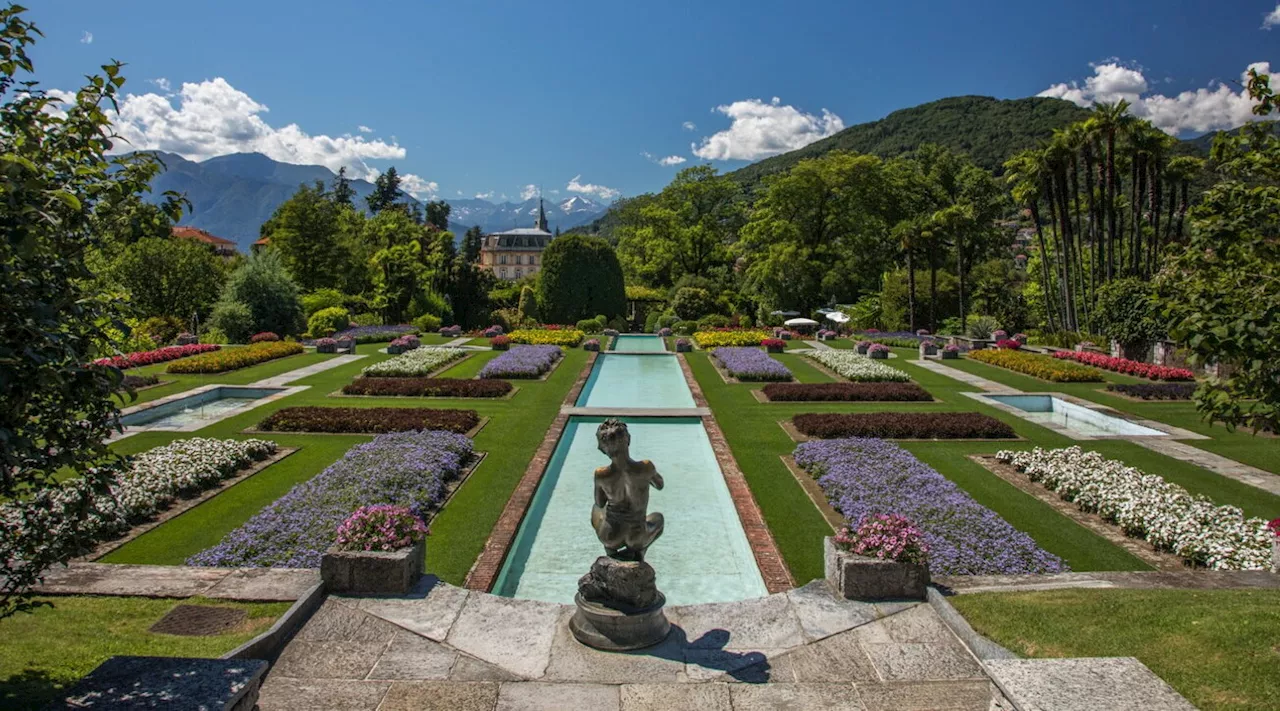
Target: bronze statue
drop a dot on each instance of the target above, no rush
(622, 497)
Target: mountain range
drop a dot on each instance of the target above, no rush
(232, 195)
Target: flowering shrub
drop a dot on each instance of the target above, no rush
(1037, 366)
(410, 469)
(827, 334)
(1155, 391)
(147, 484)
(611, 332)
(427, 387)
(750, 364)
(567, 337)
(773, 343)
(381, 527)
(326, 342)
(371, 334)
(903, 425)
(877, 348)
(591, 344)
(664, 332)
(1126, 366)
(715, 339)
(265, 336)
(500, 342)
(1274, 526)
(863, 477)
(951, 348)
(406, 342)
(999, 334)
(451, 331)
(1009, 344)
(683, 345)
(419, 362)
(864, 345)
(885, 536)
(523, 362)
(159, 355)
(858, 368)
(1146, 506)
(234, 358)
(372, 420)
(492, 331)
(1020, 337)
(846, 392)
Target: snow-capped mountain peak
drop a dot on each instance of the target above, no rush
(578, 203)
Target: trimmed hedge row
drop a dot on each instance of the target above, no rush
(846, 392)
(1156, 391)
(368, 420)
(903, 425)
(427, 387)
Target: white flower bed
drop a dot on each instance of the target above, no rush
(1146, 506)
(857, 367)
(415, 363)
(148, 483)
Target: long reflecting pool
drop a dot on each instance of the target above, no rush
(649, 381)
(633, 343)
(703, 554)
(1046, 409)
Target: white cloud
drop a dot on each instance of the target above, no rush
(689, 126)
(459, 192)
(671, 160)
(86, 38)
(418, 186)
(1213, 108)
(528, 191)
(364, 129)
(162, 83)
(1272, 19)
(484, 196)
(604, 193)
(760, 129)
(213, 118)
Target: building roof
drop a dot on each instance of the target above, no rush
(200, 235)
(262, 242)
(521, 238)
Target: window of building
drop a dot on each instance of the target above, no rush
(502, 259)
(502, 273)
(519, 272)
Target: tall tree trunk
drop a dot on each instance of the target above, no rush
(1134, 216)
(1156, 188)
(911, 292)
(1046, 267)
(1077, 236)
(1182, 208)
(933, 289)
(1067, 259)
(1171, 211)
(1111, 203)
(1062, 273)
(964, 322)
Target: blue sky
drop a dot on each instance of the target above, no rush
(486, 98)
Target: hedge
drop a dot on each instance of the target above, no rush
(1156, 391)
(427, 387)
(903, 425)
(375, 420)
(846, 392)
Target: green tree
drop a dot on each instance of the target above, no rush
(56, 412)
(691, 303)
(528, 303)
(170, 277)
(342, 192)
(438, 214)
(308, 232)
(264, 286)
(580, 278)
(1222, 293)
(398, 278)
(472, 241)
(386, 191)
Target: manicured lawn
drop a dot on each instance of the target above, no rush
(516, 428)
(52, 648)
(758, 443)
(802, 368)
(243, 376)
(1218, 648)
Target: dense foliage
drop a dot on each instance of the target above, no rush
(267, 291)
(580, 278)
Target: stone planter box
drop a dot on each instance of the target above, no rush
(879, 355)
(928, 349)
(187, 340)
(856, 577)
(1275, 555)
(500, 346)
(775, 349)
(591, 346)
(373, 572)
(785, 335)
(951, 355)
(861, 349)
(397, 350)
(327, 348)
(347, 346)
(684, 348)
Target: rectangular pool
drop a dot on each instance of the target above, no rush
(1046, 409)
(633, 343)
(703, 554)
(196, 410)
(636, 381)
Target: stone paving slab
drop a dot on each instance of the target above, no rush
(763, 623)
(797, 697)
(977, 381)
(247, 584)
(1243, 473)
(977, 695)
(266, 584)
(513, 634)
(284, 694)
(1113, 683)
(300, 373)
(1136, 580)
(664, 697)
(430, 609)
(440, 696)
(539, 696)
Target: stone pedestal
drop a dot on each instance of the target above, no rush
(619, 607)
(373, 572)
(856, 577)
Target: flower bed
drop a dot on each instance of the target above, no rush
(427, 387)
(750, 364)
(864, 477)
(903, 425)
(236, 358)
(410, 469)
(885, 536)
(416, 363)
(567, 337)
(368, 419)
(381, 527)
(1155, 391)
(522, 362)
(264, 337)
(858, 368)
(133, 382)
(1126, 366)
(148, 484)
(1038, 366)
(846, 392)
(159, 355)
(715, 339)
(1146, 506)
(371, 334)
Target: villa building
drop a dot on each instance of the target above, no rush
(517, 252)
(220, 246)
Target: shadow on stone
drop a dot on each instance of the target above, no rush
(708, 651)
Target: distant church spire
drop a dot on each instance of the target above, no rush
(542, 216)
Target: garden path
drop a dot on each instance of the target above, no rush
(300, 373)
(247, 584)
(818, 345)
(1140, 580)
(977, 381)
(1215, 463)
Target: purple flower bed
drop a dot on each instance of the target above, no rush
(522, 362)
(863, 477)
(369, 334)
(745, 363)
(872, 335)
(403, 469)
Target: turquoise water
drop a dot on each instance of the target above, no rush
(1082, 420)
(208, 406)
(620, 380)
(703, 554)
(639, 344)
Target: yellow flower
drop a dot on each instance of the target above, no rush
(565, 338)
(716, 339)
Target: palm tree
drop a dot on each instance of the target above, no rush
(1025, 174)
(1109, 120)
